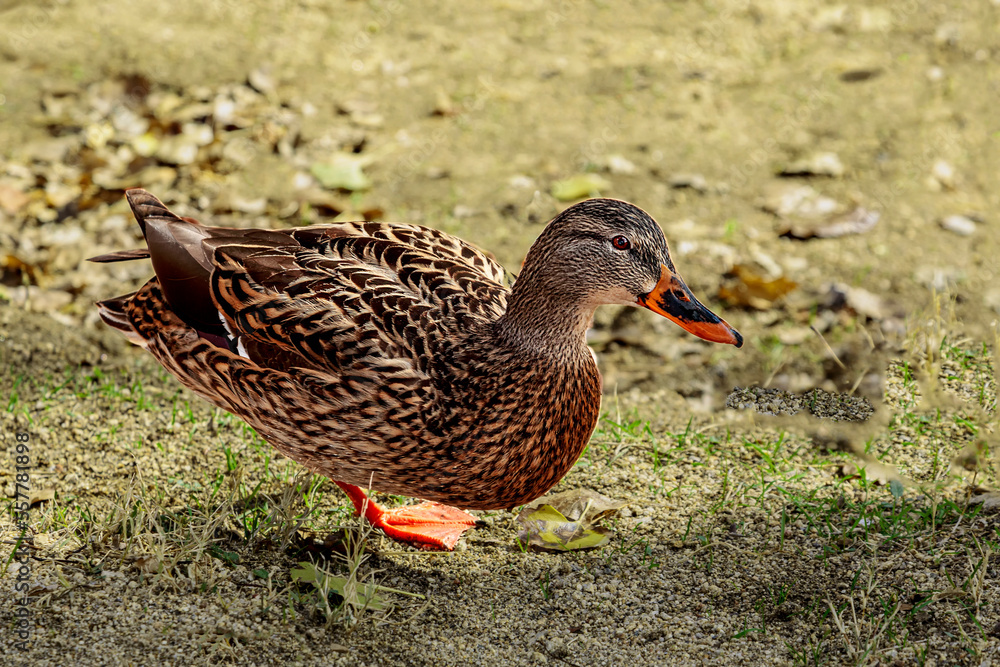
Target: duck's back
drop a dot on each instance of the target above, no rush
(336, 341)
(324, 298)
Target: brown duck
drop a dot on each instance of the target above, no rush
(392, 357)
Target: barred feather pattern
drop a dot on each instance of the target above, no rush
(369, 352)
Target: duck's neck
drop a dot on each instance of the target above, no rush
(541, 316)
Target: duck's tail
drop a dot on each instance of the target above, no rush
(144, 205)
(121, 256)
(182, 267)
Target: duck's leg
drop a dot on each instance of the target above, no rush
(427, 525)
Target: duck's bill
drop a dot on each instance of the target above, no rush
(672, 299)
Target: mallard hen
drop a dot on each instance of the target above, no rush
(392, 357)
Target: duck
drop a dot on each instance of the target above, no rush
(394, 357)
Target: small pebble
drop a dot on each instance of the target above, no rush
(943, 176)
(959, 224)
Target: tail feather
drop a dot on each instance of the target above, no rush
(121, 256)
(144, 205)
(112, 311)
(181, 263)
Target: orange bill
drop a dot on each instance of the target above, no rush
(672, 299)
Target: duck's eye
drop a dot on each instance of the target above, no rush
(621, 243)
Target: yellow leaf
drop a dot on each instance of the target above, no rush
(543, 526)
(579, 186)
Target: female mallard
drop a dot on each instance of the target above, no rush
(391, 356)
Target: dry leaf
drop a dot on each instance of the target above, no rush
(989, 500)
(41, 589)
(874, 471)
(546, 528)
(40, 495)
(147, 564)
(752, 290)
(580, 504)
(344, 171)
(858, 221)
(950, 594)
(823, 163)
(795, 200)
(359, 595)
(567, 521)
(12, 200)
(579, 186)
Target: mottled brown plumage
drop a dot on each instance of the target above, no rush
(392, 356)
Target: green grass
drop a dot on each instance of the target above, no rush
(184, 531)
(202, 495)
(780, 493)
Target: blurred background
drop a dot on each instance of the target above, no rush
(818, 167)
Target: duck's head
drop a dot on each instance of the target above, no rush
(605, 251)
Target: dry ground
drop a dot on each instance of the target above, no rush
(171, 532)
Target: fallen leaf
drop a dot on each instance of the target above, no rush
(696, 182)
(794, 200)
(861, 301)
(857, 221)
(580, 504)
(343, 172)
(147, 564)
(356, 594)
(989, 500)
(823, 163)
(751, 290)
(546, 528)
(12, 200)
(579, 186)
(40, 495)
(567, 521)
(874, 471)
(41, 589)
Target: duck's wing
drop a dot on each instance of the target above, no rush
(338, 298)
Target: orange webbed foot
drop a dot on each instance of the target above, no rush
(427, 525)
